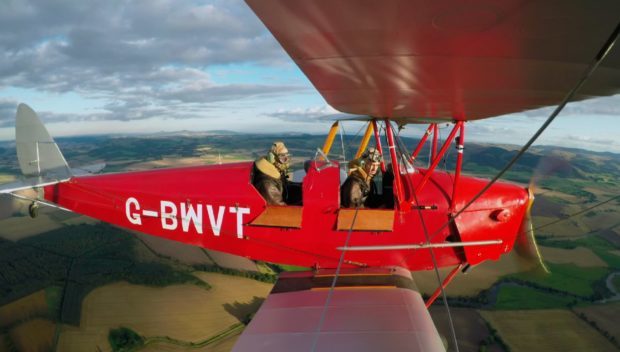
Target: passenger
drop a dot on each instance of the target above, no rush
(359, 191)
(271, 174)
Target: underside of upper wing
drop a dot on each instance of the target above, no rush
(370, 309)
(417, 60)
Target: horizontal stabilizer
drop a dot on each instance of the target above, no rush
(30, 183)
(37, 153)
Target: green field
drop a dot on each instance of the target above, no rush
(599, 246)
(567, 278)
(616, 282)
(517, 297)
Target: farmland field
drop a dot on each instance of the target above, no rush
(605, 316)
(563, 331)
(469, 325)
(34, 305)
(477, 279)
(579, 256)
(231, 261)
(183, 312)
(581, 250)
(518, 297)
(17, 228)
(33, 335)
(176, 250)
(567, 278)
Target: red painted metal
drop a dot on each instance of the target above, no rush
(420, 60)
(438, 157)
(459, 164)
(398, 186)
(378, 143)
(435, 142)
(417, 150)
(444, 284)
(213, 207)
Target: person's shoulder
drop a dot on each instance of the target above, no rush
(267, 168)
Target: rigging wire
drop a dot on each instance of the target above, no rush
(333, 286)
(594, 64)
(403, 151)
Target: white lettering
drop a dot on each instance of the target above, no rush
(216, 225)
(168, 215)
(133, 218)
(188, 214)
(240, 212)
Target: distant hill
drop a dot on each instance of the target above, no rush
(481, 159)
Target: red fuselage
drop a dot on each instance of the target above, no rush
(214, 207)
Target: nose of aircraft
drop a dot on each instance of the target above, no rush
(499, 217)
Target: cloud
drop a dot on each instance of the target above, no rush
(594, 106)
(8, 108)
(313, 114)
(141, 56)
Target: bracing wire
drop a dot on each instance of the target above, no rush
(403, 151)
(333, 285)
(609, 44)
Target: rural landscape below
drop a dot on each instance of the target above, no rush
(71, 283)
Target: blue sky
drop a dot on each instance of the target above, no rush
(91, 67)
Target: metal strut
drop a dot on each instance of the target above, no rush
(398, 186)
(460, 142)
(445, 283)
(417, 150)
(439, 155)
(378, 144)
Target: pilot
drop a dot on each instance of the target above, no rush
(359, 191)
(271, 174)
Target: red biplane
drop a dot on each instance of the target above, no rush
(391, 63)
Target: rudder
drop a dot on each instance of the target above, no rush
(37, 152)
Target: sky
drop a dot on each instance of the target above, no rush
(116, 66)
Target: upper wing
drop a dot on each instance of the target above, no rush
(446, 59)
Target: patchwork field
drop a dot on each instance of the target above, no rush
(605, 316)
(567, 278)
(231, 261)
(166, 162)
(176, 250)
(579, 256)
(477, 279)
(511, 296)
(35, 335)
(170, 162)
(34, 305)
(182, 312)
(17, 228)
(546, 330)
(470, 328)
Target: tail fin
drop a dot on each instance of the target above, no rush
(37, 152)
